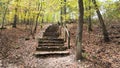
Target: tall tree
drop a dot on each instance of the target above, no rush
(80, 30)
(4, 14)
(15, 15)
(65, 10)
(89, 17)
(61, 13)
(38, 14)
(105, 33)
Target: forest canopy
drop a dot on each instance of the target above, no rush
(50, 10)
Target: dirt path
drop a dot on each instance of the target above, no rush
(23, 57)
(97, 53)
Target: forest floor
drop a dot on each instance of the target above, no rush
(18, 52)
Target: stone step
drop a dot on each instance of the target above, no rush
(45, 41)
(50, 34)
(45, 44)
(46, 53)
(52, 39)
(51, 42)
(51, 48)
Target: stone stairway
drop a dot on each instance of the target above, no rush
(51, 43)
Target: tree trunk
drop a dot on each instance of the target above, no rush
(80, 30)
(15, 21)
(42, 19)
(89, 18)
(39, 9)
(105, 33)
(65, 11)
(25, 13)
(61, 13)
(4, 15)
(36, 23)
(3, 21)
(15, 16)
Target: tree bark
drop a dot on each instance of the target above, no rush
(36, 23)
(15, 20)
(3, 21)
(89, 18)
(65, 10)
(105, 33)
(39, 9)
(15, 16)
(4, 15)
(80, 30)
(61, 13)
